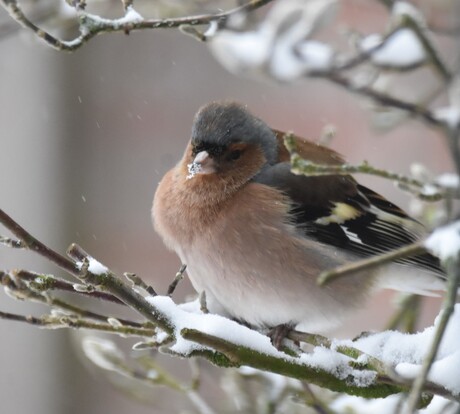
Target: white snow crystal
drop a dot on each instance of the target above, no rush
(338, 365)
(450, 115)
(429, 190)
(212, 29)
(448, 180)
(193, 169)
(401, 49)
(96, 267)
(131, 16)
(444, 242)
(315, 55)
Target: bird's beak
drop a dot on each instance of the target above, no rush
(202, 164)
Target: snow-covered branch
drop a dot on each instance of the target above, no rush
(91, 25)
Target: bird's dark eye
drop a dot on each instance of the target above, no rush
(234, 155)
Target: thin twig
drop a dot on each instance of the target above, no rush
(43, 283)
(53, 322)
(429, 48)
(79, 267)
(90, 26)
(203, 303)
(407, 314)
(137, 281)
(382, 98)
(108, 282)
(416, 187)
(32, 243)
(314, 402)
(179, 276)
(164, 377)
(22, 289)
(408, 250)
(13, 243)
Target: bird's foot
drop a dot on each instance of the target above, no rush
(278, 334)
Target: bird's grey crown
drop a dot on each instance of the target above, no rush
(220, 124)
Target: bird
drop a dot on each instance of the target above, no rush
(255, 236)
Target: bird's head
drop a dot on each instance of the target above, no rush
(228, 145)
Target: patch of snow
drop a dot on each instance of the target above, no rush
(280, 45)
(448, 180)
(211, 324)
(212, 29)
(401, 49)
(131, 16)
(96, 267)
(444, 242)
(406, 352)
(429, 190)
(315, 55)
(441, 372)
(358, 405)
(450, 115)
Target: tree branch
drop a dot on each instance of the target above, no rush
(382, 98)
(91, 25)
(31, 243)
(375, 261)
(306, 167)
(57, 322)
(79, 267)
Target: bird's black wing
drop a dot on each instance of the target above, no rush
(336, 210)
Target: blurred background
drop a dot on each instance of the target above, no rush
(86, 137)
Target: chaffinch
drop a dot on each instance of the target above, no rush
(255, 236)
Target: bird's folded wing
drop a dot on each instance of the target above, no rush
(336, 210)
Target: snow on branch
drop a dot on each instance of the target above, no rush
(91, 25)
